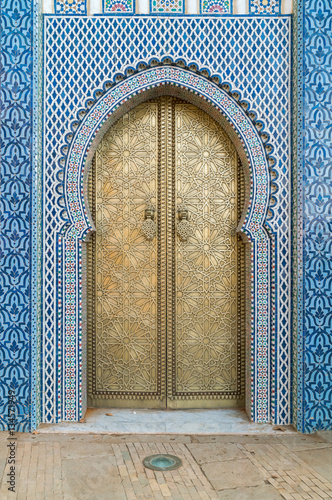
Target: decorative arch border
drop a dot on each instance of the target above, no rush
(79, 224)
(239, 119)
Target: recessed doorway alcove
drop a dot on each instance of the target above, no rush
(166, 265)
(245, 140)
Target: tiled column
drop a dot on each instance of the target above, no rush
(19, 279)
(312, 222)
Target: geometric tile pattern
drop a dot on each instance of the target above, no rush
(297, 216)
(224, 46)
(36, 216)
(216, 6)
(67, 7)
(119, 6)
(18, 206)
(264, 7)
(167, 6)
(313, 245)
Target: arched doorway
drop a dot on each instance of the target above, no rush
(166, 315)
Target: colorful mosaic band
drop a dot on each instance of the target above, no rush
(119, 6)
(67, 7)
(216, 7)
(167, 6)
(265, 7)
(252, 226)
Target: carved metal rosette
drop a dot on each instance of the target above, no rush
(167, 61)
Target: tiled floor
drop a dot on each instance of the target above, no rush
(102, 466)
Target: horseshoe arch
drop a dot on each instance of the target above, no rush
(226, 110)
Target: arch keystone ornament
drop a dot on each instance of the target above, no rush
(226, 109)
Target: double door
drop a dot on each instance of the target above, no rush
(165, 266)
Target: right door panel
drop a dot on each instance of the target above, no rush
(205, 356)
(166, 312)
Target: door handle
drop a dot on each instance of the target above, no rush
(183, 227)
(149, 227)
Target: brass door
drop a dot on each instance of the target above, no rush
(165, 267)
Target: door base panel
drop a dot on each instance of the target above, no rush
(201, 404)
(191, 404)
(148, 404)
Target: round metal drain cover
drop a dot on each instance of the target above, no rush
(162, 462)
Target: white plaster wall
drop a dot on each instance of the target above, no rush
(142, 6)
(48, 7)
(240, 6)
(192, 6)
(287, 6)
(95, 7)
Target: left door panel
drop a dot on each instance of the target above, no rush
(126, 352)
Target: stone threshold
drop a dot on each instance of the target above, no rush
(133, 421)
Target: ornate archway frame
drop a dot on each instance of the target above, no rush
(224, 107)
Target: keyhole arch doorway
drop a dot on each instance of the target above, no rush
(222, 108)
(166, 266)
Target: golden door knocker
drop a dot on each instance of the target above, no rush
(149, 227)
(183, 227)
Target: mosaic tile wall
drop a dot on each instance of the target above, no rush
(19, 299)
(66, 7)
(216, 6)
(221, 7)
(312, 217)
(224, 48)
(119, 6)
(264, 7)
(167, 6)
